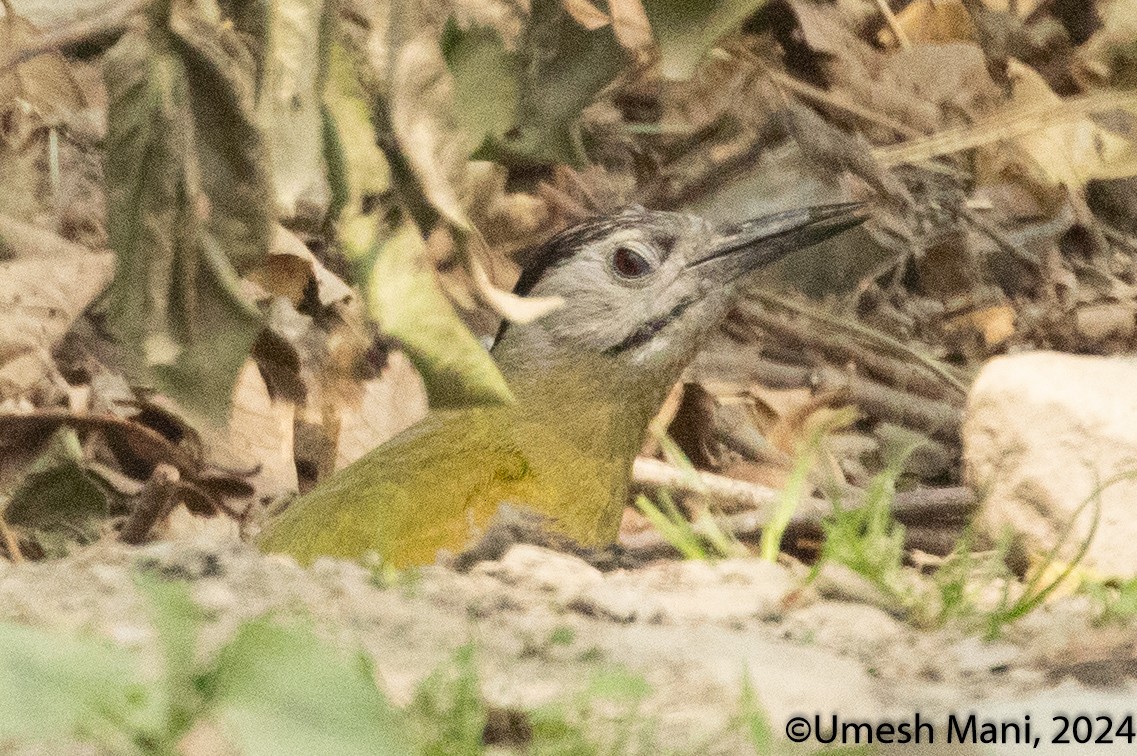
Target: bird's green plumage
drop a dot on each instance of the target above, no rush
(564, 449)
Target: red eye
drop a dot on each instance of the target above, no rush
(629, 263)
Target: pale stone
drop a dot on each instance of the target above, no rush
(544, 569)
(1041, 432)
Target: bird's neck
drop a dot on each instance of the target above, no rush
(582, 424)
(591, 403)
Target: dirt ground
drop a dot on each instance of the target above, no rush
(543, 623)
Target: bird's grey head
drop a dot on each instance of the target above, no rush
(643, 287)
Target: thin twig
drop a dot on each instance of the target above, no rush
(870, 335)
(146, 442)
(898, 373)
(997, 236)
(923, 505)
(1003, 127)
(894, 24)
(938, 419)
(829, 99)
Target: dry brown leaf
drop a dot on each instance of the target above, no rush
(772, 405)
(423, 124)
(1105, 53)
(508, 220)
(951, 77)
(994, 324)
(1105, 320)
(929, 21)
(45, 284)
(1021, 8)
(1070, 153)
(36, 97)
(997, 324)
(825, 29)
(259, 436)
(946, 20)
(43, 83)
(586, 14)
(390, 404)
(291, 266)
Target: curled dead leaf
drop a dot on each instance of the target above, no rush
(631, 25)
(290, 267)
(507, 304)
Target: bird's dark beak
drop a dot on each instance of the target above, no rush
(759, 242)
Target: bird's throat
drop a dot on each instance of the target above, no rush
(583, 425)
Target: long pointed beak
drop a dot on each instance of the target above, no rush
(759, 242)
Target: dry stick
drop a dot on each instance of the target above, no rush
(1003, 127)
(937, 419)
(1001, 241)
(830, 99)
(949, 505)
(921, 505)
(153, 503)
(146, 442)
(11, 543)
(896, 372)
(881, 340)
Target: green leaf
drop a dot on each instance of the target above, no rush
(559, 69)
(357, 167)
(618, 684)
(687, 30)
(53, 686)
(448, 711)
(176, 618)
(404, 297)
(755, 719)
(402, 292)
(486, 80)
(279, 691)
(188, 201)
(58, 500)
